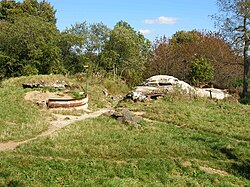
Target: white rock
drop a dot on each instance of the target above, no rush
(162, 84)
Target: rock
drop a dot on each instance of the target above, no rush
(161, 85)
(59, 86)
(32, 85)
(211, 93)
(42, 84)
(42, 104)
(127, 117)
(130, 118)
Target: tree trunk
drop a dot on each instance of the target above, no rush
(245, 78)
(246, 61)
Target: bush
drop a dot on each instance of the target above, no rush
(201, 71)
(245, 101)
(29, 70)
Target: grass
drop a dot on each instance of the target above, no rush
(218, 117)
(103, 152)
(19, 119)
(190, 142)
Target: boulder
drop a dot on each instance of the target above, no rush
(211, 93)
(127, 117)
(160, 85)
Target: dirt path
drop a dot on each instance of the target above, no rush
(63, 121)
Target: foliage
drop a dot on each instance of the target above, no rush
(174, 56)
(182, 37)
(11, 10)
(87, 41)
(29, 46)
(245, 100)
(201, 71)
(233, 21)
(125, 53)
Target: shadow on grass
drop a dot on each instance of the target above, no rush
(8, 181)
(241, 166)
(228, 153)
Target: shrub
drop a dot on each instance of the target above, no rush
(201, 71)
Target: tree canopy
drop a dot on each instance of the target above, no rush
(11, 10)
(125, 53)
(174, 56)
(29, 46)
(234, 23)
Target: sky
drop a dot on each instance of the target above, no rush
(153, 18)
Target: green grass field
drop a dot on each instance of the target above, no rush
(190, 142)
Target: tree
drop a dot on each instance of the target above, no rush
(89, 42)
(98, 35)
(234, 22)
(125, 53)
(11, 10)
(201, 71)
(174, 56)
(182, 37)
(29, 46)
(72, 57)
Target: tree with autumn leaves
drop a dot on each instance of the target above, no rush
(175, 56)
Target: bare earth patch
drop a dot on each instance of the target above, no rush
(39, 96)
(207, 169)
(214, 171)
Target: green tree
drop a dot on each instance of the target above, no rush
(234, 22)
(72, 58)
(201, 71)
(89, 42)
(29, 46)
(98, 35)
(126, 53)
(182, 37)
(11, 10)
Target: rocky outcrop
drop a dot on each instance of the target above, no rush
(127, 117)
(160, 85)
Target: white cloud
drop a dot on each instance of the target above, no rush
(161, 20)
(145, 31)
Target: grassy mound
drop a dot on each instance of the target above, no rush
(188, 142)
(193, 142)
(22, 119)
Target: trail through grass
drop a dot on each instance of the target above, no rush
(19, 119)
(191, 142)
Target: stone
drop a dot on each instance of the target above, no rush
(127, 117)
(161, 85)
(42, 104)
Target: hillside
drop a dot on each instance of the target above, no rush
(182, 141)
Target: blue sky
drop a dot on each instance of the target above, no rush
(154, 18)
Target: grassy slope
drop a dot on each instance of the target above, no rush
(103, 152)
(21, 119)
